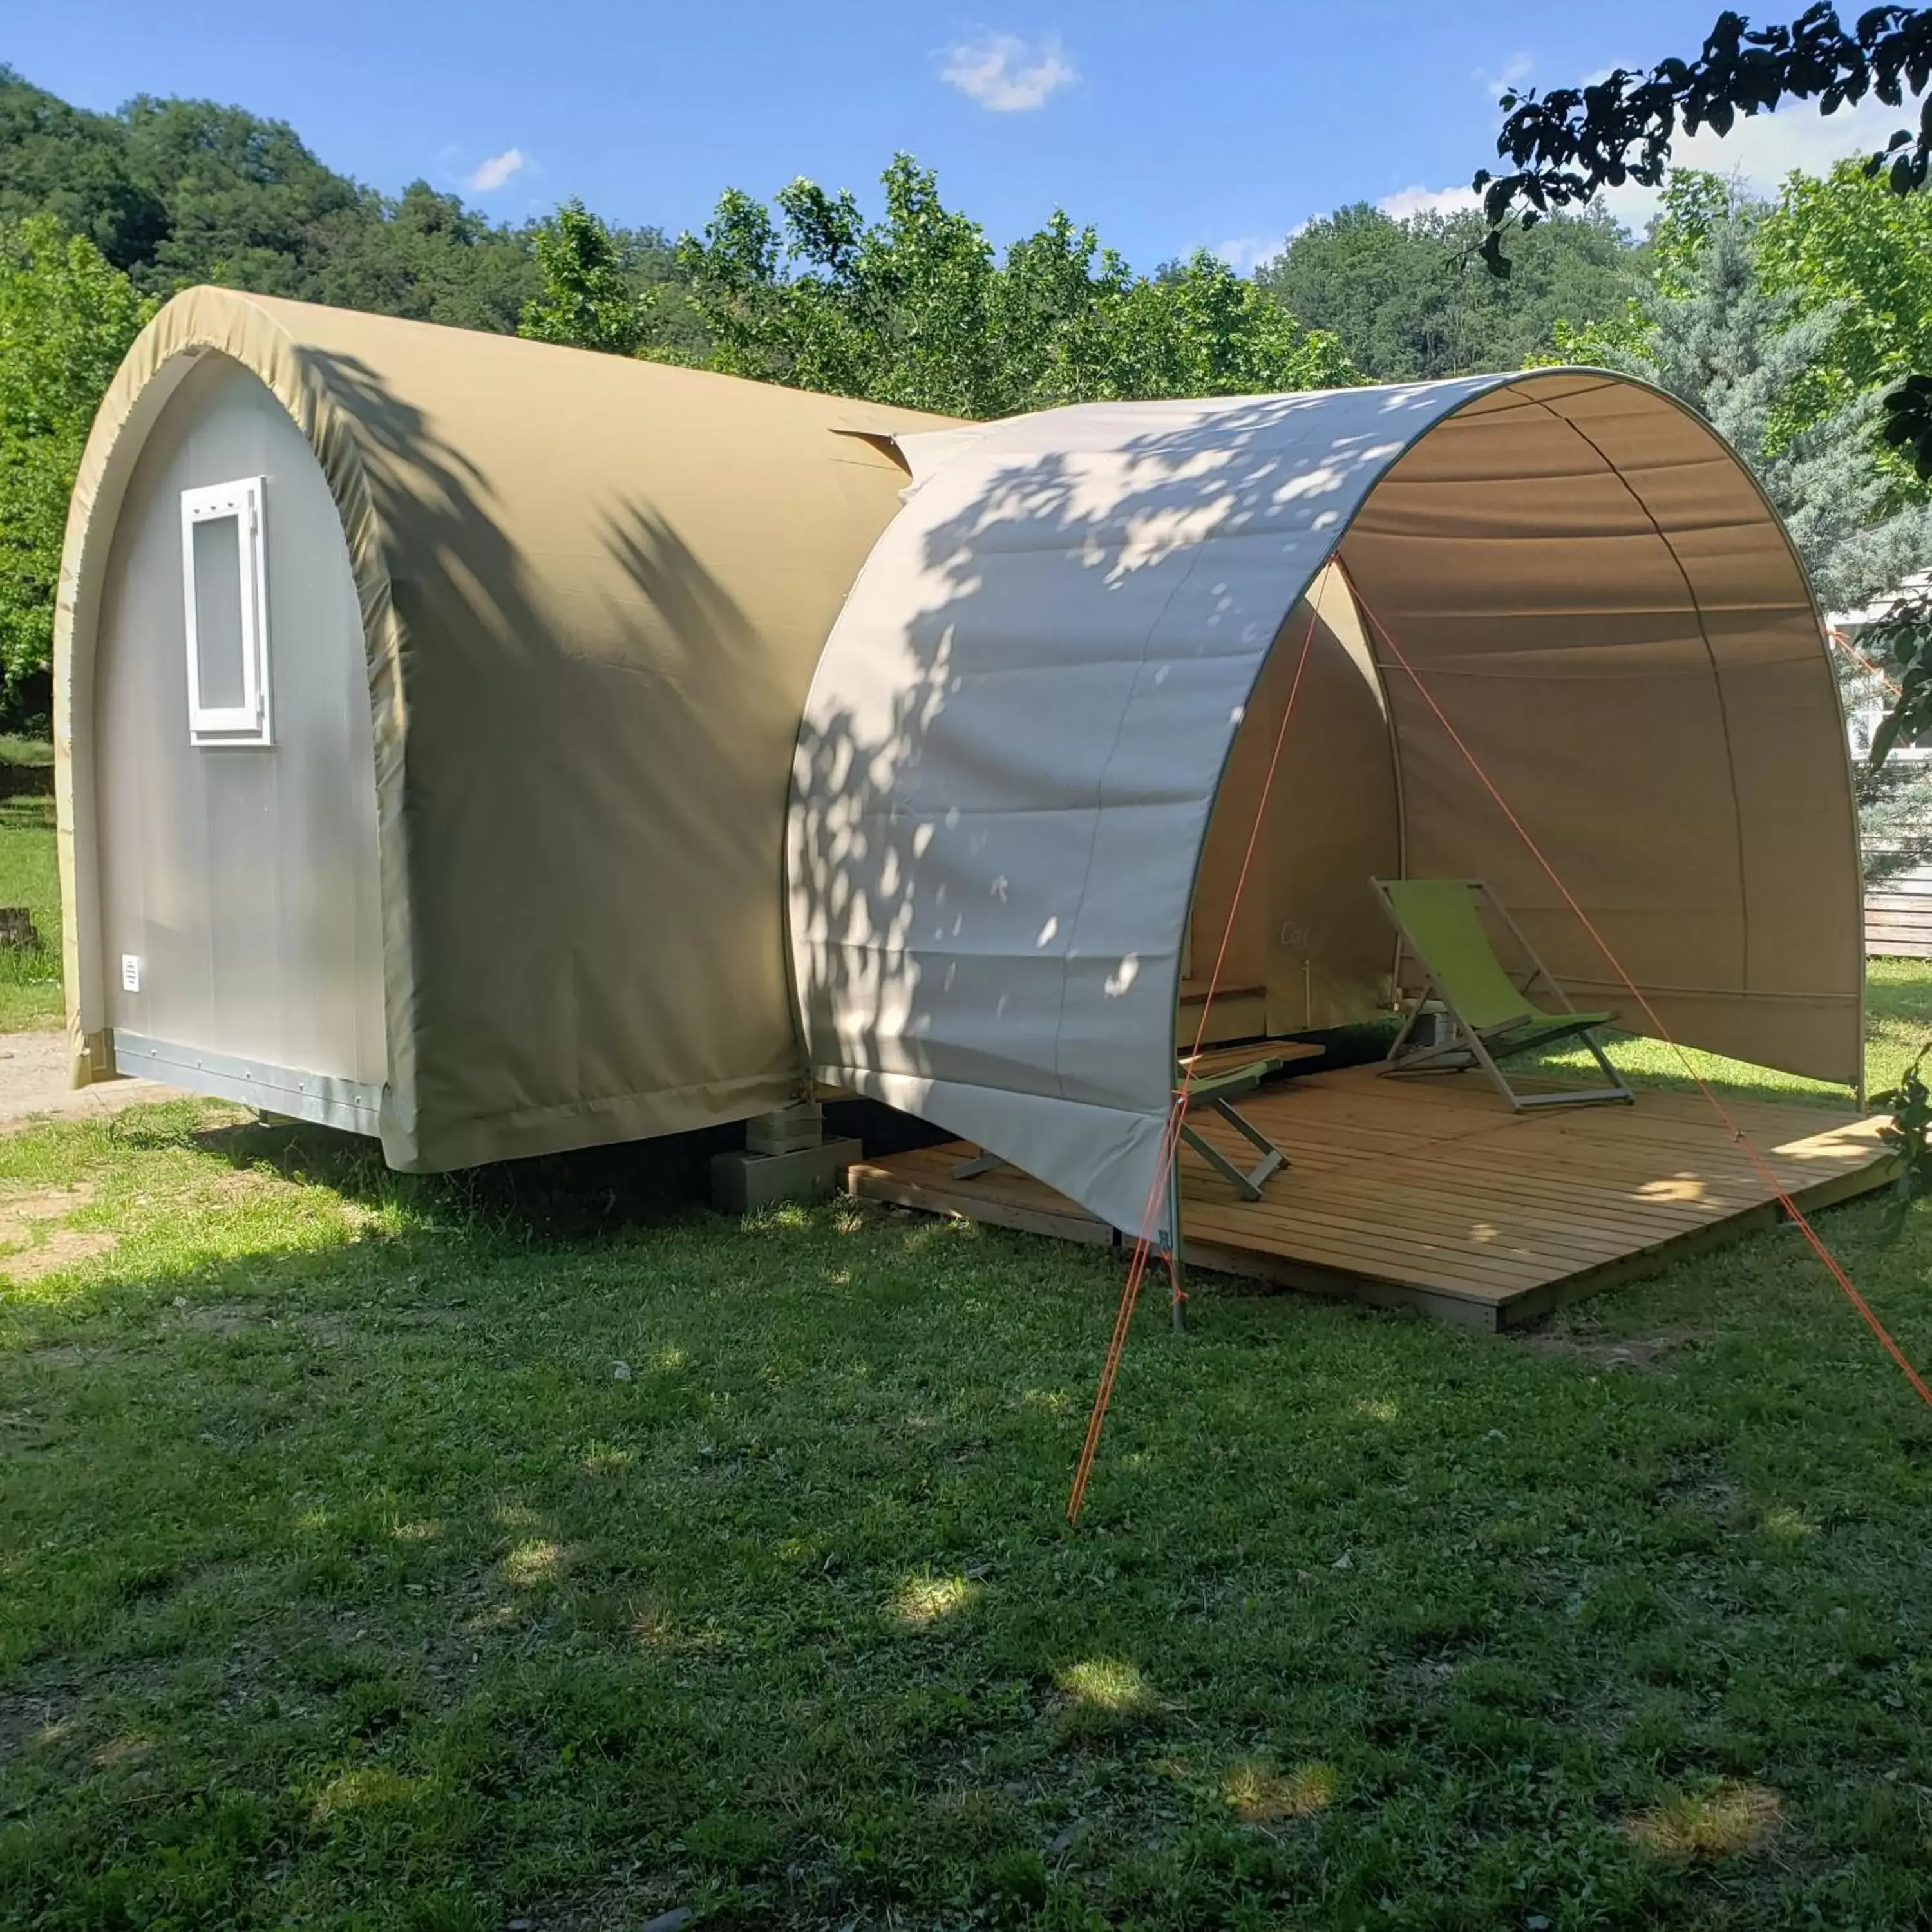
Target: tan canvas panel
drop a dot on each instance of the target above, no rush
(593, 591)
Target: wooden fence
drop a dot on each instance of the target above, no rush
(1898, 917)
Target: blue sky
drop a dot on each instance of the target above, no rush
(1224, 124)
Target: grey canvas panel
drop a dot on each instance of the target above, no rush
(243, 877)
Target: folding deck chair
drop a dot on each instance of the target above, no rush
(1491, 1018)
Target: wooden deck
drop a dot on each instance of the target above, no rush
(1429, 1193)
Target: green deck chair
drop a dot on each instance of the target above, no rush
(1490, 1018)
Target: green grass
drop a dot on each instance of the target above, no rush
(377, 1553)
(1898, 1021)
(30, 980)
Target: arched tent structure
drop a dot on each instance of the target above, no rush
(423, 703)
(1079, 635)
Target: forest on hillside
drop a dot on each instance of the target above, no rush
(173, 193)
(103, 216)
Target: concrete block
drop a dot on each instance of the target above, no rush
(740, 1182)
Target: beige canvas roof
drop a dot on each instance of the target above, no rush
(593, 593)
(1076, 638)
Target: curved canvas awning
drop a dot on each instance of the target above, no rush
(1016, 735)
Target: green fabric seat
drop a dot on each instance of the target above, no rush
(1491, 1017)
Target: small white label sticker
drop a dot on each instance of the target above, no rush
(131, 972)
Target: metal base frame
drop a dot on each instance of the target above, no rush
(325, 1098)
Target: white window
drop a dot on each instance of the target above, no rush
(224, 577)
(1867, 701)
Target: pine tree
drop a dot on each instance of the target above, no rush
(1713, 336)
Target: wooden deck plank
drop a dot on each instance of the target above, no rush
(1566, 1177)
(1607, 1202)
(1588, 1143)
(1596, 1138)
(1432, 1194)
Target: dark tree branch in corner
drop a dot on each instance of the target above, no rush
(1570, 142)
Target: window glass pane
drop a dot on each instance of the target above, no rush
(217, 612)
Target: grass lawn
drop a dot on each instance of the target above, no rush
(537, 1549)
(1898, 1022)
(30, 981)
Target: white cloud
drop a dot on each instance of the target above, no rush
(1420, 200)
(1512, 73)
(1244, 253)
(1007, 75)
(496, 171)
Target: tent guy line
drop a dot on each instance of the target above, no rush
(1166, 1176)
(1725, 1121)
(1123, 1318)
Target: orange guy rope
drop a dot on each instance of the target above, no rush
(1830, 1260)
(1858, 658)
(1170, 1139)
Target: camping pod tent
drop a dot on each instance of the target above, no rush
(424, 701)
(1036, 749)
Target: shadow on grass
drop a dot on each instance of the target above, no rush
(349, 1575)
(581, 1195)
(586, 1195)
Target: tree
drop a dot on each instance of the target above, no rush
(424, 256)
(1207, 332)
(1848, 241)
(1409, 300)
(1574, 141)
(915, 309)
(66, 316)
(1747, 359)
(1570, 143)
(587, 301)
(246, 200)
(55, 159)
(177, 192)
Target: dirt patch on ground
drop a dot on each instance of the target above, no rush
(43, 1204)
(65, 1248)
(70, 1355)
(33, 1083)
(213, 1317)
(237, 1184)
(26, 1723)
(1648, 1353)
(23, 1216)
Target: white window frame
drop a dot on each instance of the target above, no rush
(1865, 706)
(248, 723)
